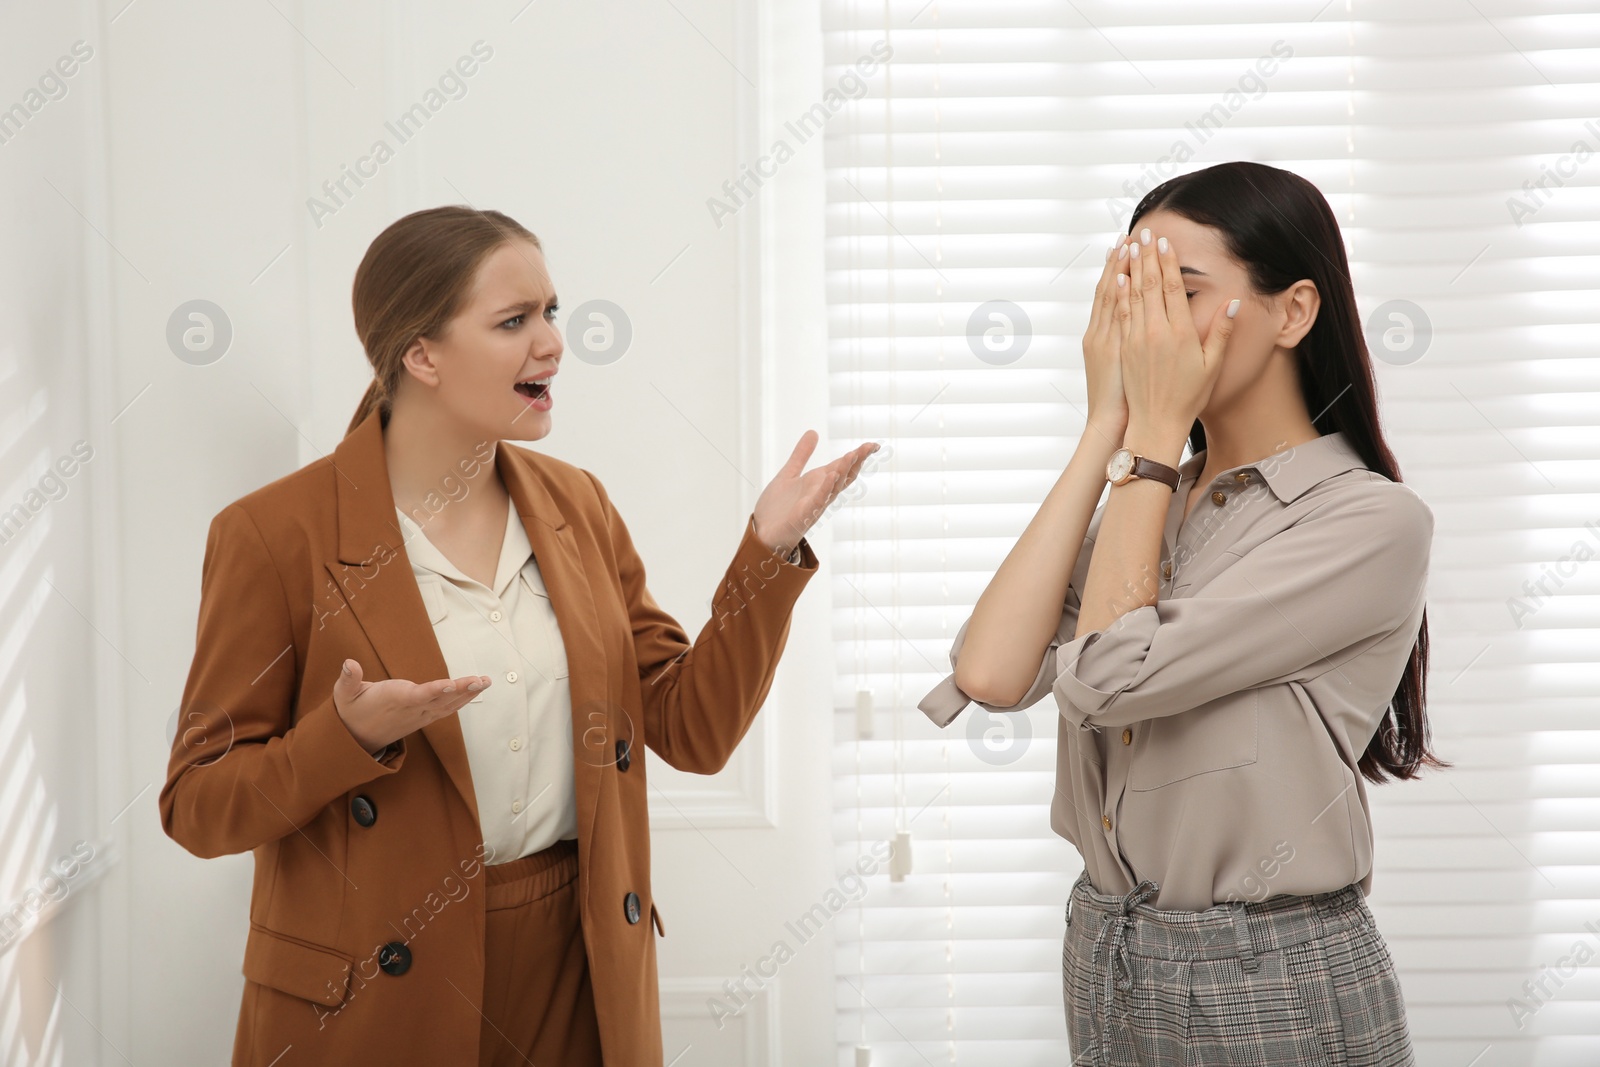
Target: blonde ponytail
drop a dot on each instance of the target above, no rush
(372, 398)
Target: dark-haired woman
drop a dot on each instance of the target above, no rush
(1238, 642)
(426, 673)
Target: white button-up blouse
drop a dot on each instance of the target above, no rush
(518, 732)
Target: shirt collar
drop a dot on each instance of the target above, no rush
(514, 551)
(1290, 472)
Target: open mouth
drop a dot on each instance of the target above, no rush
(533, 390)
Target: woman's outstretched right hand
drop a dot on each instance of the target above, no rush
(1102, 350)
(379, 713)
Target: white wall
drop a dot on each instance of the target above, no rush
(603, 127)
(61, 647)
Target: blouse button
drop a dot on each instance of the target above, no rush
(516, 744)
(1166, 569)
(1219, 498)
(1106, 819)
(494, 616)
(1242, 477)
(511, 676)
(1127, 737)
(516, 806)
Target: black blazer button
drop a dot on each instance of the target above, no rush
(394, 958)
(624, 755)
(630, 904)
(365, 811)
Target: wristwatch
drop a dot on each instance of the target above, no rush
(1124, 466)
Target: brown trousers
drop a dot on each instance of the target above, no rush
(538, 1004)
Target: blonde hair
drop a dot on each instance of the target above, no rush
(411, 283)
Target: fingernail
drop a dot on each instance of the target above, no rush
(1122, 279)
(449, 689)
(1144, 235)
(1110, 250)
(1233, 308)
(1122, 253)
(1162, 244)
(1135, 251)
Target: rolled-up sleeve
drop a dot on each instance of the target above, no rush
(1298, 604)
(946, 700)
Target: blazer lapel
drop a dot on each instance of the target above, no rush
(555, 549)
(373, 576)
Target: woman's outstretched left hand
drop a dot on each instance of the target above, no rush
(1167, 373)
(793, 501)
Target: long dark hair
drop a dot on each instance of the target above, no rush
(1281, 229)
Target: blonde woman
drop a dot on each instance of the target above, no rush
(426, 673)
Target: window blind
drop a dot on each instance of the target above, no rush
(971, 189)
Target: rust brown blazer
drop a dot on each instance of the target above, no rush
(352, 855)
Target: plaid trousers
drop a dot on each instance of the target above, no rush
(1292, 981)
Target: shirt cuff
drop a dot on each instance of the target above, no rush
(1096, 667)
(944, 702)
(947, 700)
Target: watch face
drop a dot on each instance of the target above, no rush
(1119, 466)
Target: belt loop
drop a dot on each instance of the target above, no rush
(1241, 934)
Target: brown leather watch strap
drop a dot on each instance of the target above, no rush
(1155, 471)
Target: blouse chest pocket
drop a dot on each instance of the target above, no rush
(551, 653)
(432, 599)
(1212, 737)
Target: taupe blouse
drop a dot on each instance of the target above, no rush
(1209, 741)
